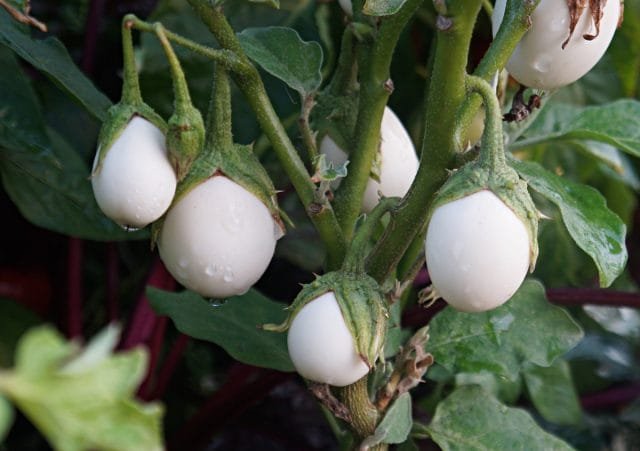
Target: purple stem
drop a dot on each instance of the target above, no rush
(91, 31)
(75, 256)
(155, 349)
(613, 398)
(144, 318)
(169, 367)
(113, 283)
(593, 296)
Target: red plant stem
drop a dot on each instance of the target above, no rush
(155, 349)
(91, 31)
(75, 254)
(245, 386)
(593, 296)
(169, 367)
(144, 318)
(113, 283)
(612, 398)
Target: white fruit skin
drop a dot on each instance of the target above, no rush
(398, 161)
(218, 239)
(136, 182)
(321, 346)
(347, 7)
(477, 252)
(539, 60)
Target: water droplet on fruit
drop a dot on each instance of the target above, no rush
(183, 263)
(217, 302)
(543, 63)
(233, 220)
(211, 270)
(228, 274)
(129, 228)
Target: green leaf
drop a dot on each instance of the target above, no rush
(472, 420)
(382, 7)
(233, 325)
(396, 424)
(51, 57)
(6, 417)
(553, 394)
(595, 229)
(83, 400)
(281, 52)
(527, 329)
(272, 3)
(55, 193)
(616, 123)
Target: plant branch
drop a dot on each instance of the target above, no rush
(445, 96)
(253, 88)
(308, 136)
(515, 23)
(23, 17)
(374, 62)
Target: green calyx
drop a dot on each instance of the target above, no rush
(130, 105)
(360, 298)
(220, 156)
(491, 172)
(362, 304)
(186, 133)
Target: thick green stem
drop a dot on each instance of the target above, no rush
(219, 131)
(514, 25)
(131, 86)
(355, 258)
(374, 61)
(308, 137)
(492, 150)
(364, 414)
(446, 95)
(226, 57)
(182, 103)
(251, 85)
(345, 75)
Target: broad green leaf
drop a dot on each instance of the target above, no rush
(83, 400)
(553, 394)
(472, 420)
(527, 329)
(595, 229)
(16, 319)
(281, 52)
(505, 390)
(614, 159)
(382, 7)
(55, 193)
(616, 123)
(396, 424)
(233, 325)
(50, 56)
(19, 103)
(272, 3)
(6, 417)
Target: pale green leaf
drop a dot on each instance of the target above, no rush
(382, 7)
(553, 394)
(84, 404)
(281, 52)
(595, 229)
(616, 123)
(527, 329)
(396, 424)
(6, 417)
(470, 419)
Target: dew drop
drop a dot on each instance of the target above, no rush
(228, 274)
(217, 302)
(211, 270)
(183, 263)
(129, 228)
(542, 63)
